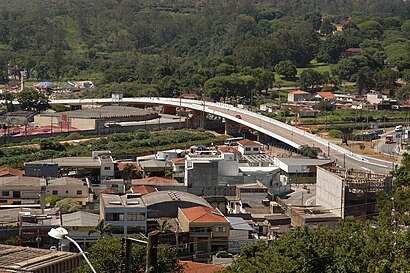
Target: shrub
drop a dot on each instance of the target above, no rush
(335, 133)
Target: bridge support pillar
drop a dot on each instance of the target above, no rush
(171, 110)
(195, 120)
(262, 138)
(232, 128)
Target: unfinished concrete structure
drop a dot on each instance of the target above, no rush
(349, 192)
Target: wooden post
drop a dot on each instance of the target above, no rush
(152, 263)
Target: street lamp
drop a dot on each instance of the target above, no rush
(61, 233)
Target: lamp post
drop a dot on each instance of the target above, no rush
(61, 233)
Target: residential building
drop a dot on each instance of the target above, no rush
(307, 112)
(127, 214)
(329, 96)
(299, 170)
(35, 260)
(142, 190)
(17, 190)
(154, 167)
(178, 168)
(67, 187)
(204, 170)
(349, 192)
(249, 147)
(195, 267)
(208, 228)
(240, 234)
(169, 154)
(298, 95)
(269, 107)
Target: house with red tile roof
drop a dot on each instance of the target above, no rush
(154, 179)
(325, 96)
(298, 95)
(208, 228)
(249, 147)
(142, 189)
(194, 267)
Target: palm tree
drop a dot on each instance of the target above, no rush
(102, 229)
(164, 227)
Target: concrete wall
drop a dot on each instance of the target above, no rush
(329, 191)
(228, 167)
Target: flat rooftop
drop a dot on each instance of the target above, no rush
(73, 162)
(103, 112)
(117, 201)
(303, 161)
(27, 259)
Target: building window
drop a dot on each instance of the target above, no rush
(114, 217)
(107, 168)
(16, 194)
(136, 216)
(5, 193)
(200, 229)
(256, 149)
(247, 149)
(79, 192)
(55, 192)
(220, 229)
(135, 229)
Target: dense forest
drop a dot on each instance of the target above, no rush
(222, 47)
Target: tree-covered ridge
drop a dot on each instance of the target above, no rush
(147, 48)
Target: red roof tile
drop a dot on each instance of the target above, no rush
(178, 160)
(203, 214)
(227, 149)
(7, 171)
(155, 179)
(299, 92)
(326, 95)
(143, 189)
(194, 267)
(244, 142)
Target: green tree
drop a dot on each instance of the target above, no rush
(309, 79)
(372, 29)
(102, 229)
(67, 205)
(46, 144)
(129, 172)
(311, 152)
(105, 255)
(52, 200)
(386, 79)
(32, 100)
(287, 69)
(13, 240)
(365, 80)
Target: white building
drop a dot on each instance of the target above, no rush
(249, 147)
(169, 154)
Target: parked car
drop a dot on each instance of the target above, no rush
(200, 256)
(224, 254)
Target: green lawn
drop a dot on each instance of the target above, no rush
(320, 67)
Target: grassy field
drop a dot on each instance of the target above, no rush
(320, 67)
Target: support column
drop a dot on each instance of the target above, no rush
(232, 128)
(195, 120)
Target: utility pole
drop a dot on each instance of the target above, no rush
(151, 260)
